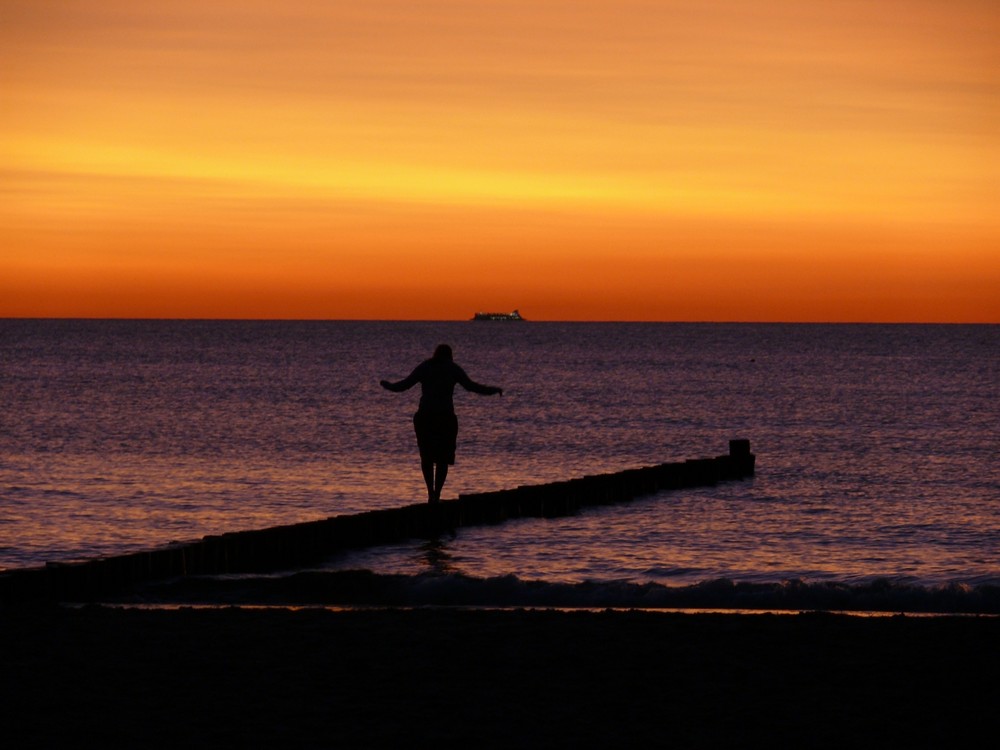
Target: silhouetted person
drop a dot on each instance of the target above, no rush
(435, 422)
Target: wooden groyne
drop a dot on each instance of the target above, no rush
(304, 544)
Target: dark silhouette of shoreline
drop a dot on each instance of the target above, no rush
(489, 679)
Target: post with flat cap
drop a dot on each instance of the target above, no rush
(739, 452)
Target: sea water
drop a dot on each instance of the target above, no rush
(876, 445)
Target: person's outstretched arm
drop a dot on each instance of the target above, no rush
(471, 385)
(401, 385)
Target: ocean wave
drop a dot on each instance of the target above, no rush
(365, 588)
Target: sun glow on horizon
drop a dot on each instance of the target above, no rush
(614, 161)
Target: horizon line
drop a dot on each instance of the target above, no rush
(197, 319)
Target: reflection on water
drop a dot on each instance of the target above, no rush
(435, 556)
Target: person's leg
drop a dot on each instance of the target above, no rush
(427, 467)
(442, 474)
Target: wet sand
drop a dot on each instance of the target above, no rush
(479, 678)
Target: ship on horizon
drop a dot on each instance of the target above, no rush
(515, 315)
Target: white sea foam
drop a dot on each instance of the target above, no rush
(364, 588)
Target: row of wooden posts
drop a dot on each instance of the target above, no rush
(302, 544)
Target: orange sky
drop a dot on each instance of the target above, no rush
(619, 160)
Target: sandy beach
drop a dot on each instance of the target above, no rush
(246, 677)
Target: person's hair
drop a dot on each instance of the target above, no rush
(443, 352)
